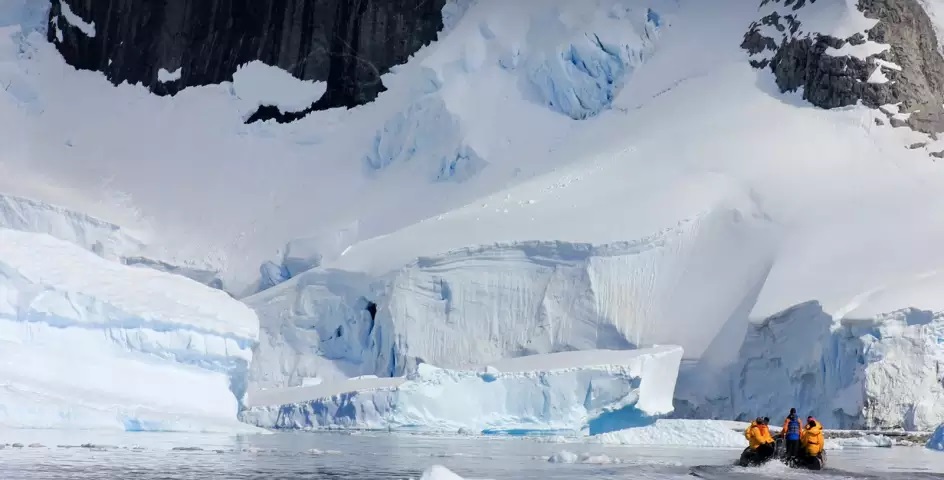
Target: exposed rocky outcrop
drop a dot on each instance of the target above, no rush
(348, 43)
(902, 64)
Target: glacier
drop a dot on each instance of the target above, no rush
(858, 371)
(363, 314)
(582, 391)
(561, 207)
(93, 344)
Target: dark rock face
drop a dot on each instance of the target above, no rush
(348, 43)
(920, 84)
(827, 81)
(800, 60)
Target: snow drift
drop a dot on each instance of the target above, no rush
(105, 239)
(89, 343)
(591, 391)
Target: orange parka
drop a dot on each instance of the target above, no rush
(812, 439)
(757, 434)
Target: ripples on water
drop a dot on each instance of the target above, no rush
(387, 456)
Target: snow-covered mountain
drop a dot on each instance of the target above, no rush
(753, 181)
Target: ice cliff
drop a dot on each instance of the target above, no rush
(354, 317)
(90, 343)
(853, 371)
(590, 391)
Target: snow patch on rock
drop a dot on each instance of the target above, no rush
(256, 84)
(165, 76)
(88, 28)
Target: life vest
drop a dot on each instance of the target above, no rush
(793, 429)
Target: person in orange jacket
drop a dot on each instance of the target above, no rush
(761, 445)
(812, 440)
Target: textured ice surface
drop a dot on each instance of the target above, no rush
(90, 343)
(103, 238)
(590, 391)
(668, 432)
(516, 298)
(936, 442)
(863, 370)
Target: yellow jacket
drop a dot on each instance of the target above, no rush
(757, 435)
(812, 439)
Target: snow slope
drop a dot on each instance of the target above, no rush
(89, 343)
(590, 391)
(192, 205)
(105, 239)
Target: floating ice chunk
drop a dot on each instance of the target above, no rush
(565, 456)
(865, 441)
(438, 472)
(681, 433)
(592, 391)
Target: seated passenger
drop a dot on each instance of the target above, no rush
(812, 438)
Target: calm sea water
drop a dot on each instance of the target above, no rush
(74, 455)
